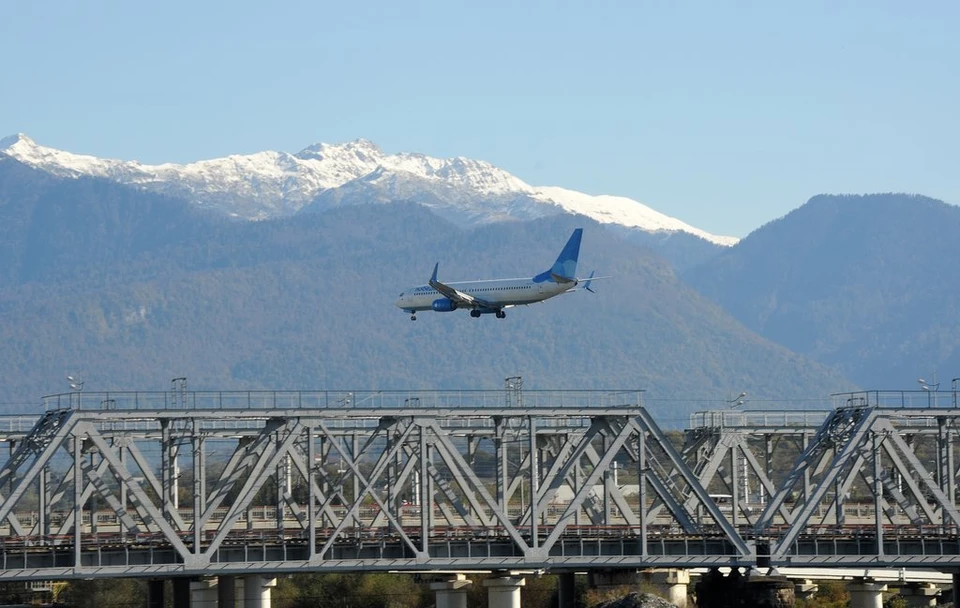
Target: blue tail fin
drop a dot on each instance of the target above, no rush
(565, 268)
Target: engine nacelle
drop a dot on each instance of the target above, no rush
(444, 305)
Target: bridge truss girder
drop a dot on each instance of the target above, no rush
(125, 492)
(899, 462)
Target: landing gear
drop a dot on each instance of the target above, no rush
(413, 317)
(475, 314)
(501, 314)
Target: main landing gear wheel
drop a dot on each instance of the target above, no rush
(475, 314)
(413, 317)
(501, 314)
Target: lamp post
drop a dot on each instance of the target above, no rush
(738, 400)
(732, 403)
(76, 385)
(931, 388)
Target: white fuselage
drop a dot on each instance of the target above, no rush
(499, 292)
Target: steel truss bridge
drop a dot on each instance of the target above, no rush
(228, 483)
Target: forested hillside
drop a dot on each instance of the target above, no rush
(867, 284)
(132, 289)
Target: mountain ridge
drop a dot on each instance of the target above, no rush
(131, 288)
(272, 184)
(864, 283)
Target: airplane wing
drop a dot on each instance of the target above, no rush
(455, 295)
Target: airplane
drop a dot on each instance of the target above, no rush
(493, 296)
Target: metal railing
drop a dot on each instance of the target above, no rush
(757, 418)
(366, 400)
(897, 399)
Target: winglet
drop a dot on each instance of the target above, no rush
(433, 277)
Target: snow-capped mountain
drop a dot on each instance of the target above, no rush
(277, 184)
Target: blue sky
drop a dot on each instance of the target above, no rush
(725, 115)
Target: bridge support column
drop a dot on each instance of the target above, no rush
(226, 592)
(256, 591)
(155, 593)
(920, 594)
(804, 588)
(866, 593)
(452, 592)
(673, 581)
(566, 589)
(181, 591)
(956, 587)
(203, 593)
(504, 591)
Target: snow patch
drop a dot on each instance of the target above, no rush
(276, 184)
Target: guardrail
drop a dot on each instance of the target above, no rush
(757, 418)
(293, 400)
(931, 398)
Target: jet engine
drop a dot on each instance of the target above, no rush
(444, 305)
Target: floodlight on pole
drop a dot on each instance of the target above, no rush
(738, 400)
(76, 385)
(930, 387)
(76, 382)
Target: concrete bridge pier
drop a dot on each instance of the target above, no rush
(920, 594)
(866, 593)
(805, 588)
(256, 591)
(181, 591)
(566, 589)
(203, 593)
(503, 591)
(226, 592)
(155, 593)
(956, 587)
(452, 592)
(672, 581)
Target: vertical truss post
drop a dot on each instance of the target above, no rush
(426, 500)
(311, 494)
(431, 488)
(121, 443)
(43, 521)
(945, 463)
(354, 455)
(282, 474)
(77, 498)
(94, 504)
(877, 492)
(607, 482)
(166, 472)
(838, 500)
(199, 486)
(767, 465)
(642, 469)
(532, 425)
(734, 486)
(500, 450)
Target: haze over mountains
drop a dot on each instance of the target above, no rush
(133, 283)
